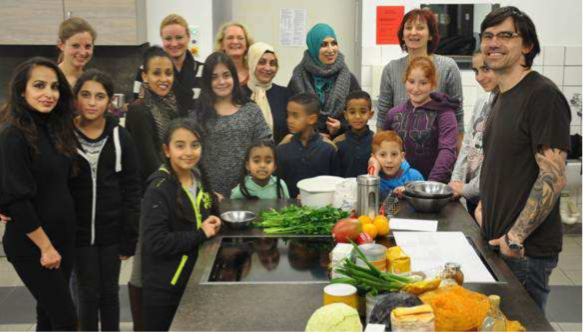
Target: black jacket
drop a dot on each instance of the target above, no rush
(296, 162)
(107, 201)
(34, 191)
(354, 152)
(170, 243)
(140, 123)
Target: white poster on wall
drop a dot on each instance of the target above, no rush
(292, 27)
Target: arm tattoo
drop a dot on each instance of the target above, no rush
(544, 194)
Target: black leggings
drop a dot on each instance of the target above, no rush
(98, 271)
(50, 289)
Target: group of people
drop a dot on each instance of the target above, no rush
(82, 193)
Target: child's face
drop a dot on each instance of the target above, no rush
(92, 100)
(184, 150)
(222, 81)
(159, 76)
(298, 120)
(358, 113)
(418, 87)
(483, 74)
(390, 157)
(261, 163)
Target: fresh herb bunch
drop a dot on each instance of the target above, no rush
(301, 220)
(369, 279)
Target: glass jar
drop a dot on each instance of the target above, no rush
(453, 273)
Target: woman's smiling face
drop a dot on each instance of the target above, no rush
(329, 51)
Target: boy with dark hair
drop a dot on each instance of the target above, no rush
(355, 144)
(525, 144)
(305, 153)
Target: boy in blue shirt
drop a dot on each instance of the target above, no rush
(305, 153)
(389, 162)
(355, 144)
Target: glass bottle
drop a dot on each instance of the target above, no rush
(452, 274)
(495, 320)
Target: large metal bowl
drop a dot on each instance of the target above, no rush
(238, 220)
(428, 189)
(427, 205)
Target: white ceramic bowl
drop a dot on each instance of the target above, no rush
(318, 192)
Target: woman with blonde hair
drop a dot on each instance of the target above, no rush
(271, 98)
(234, 40)
(175, 35)
(76, 42)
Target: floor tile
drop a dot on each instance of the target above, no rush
(574, 275)
(18, 307)
(564, 304)
(126, 327)
(573, 239)
(15, 328)
(570, 262)
(571, 248)
(571, 327)
(559, 277)
(556, 327)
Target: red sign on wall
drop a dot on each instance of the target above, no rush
(388, 21)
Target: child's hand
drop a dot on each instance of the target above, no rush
(375, 164)
(399, 191)
(333, 125)
(457, 187)
(211, 226)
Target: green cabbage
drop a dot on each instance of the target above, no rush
(336, 317)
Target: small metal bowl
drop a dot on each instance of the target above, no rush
(427, 205)
(238, 220)
(428, 189)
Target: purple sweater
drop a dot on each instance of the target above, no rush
(429, 134)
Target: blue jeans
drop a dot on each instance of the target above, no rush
(534, 274)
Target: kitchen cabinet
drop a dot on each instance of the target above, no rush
(36, 22)
(117, 22)
(30, 22)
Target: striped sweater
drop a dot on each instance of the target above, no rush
(393, 90)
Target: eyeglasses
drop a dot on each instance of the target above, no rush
(504, 36)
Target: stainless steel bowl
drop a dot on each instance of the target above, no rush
(427, 205)
(238, 220)
(428, 189)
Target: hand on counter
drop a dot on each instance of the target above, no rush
(505, 250)
(479, 214)
(457, 187)
(211, 226)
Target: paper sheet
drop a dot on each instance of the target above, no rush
(429, 250)
(413, 225)
(293, 27)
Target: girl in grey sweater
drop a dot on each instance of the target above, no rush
(231, 122)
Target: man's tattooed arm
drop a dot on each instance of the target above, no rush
(544, 194)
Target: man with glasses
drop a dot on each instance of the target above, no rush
(525, 144)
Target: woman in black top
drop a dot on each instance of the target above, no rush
(175, 35)
(271, 98)
(37, 146)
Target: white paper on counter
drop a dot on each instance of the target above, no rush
(413, 224)
(429, 250)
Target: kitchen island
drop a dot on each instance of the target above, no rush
(257, 306)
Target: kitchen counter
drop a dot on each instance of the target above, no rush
(288, 306)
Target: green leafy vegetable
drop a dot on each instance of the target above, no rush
(301, 220)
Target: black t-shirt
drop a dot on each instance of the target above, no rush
(186, 86)
(532, 114)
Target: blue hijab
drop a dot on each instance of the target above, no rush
(314, 40)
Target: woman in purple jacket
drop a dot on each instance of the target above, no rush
(426, 122)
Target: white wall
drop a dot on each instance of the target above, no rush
(197, 13)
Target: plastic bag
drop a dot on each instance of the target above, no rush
(345, 197)
(381, 313)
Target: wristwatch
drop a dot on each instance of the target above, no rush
(514, 246)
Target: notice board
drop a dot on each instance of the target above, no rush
(388, 21)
